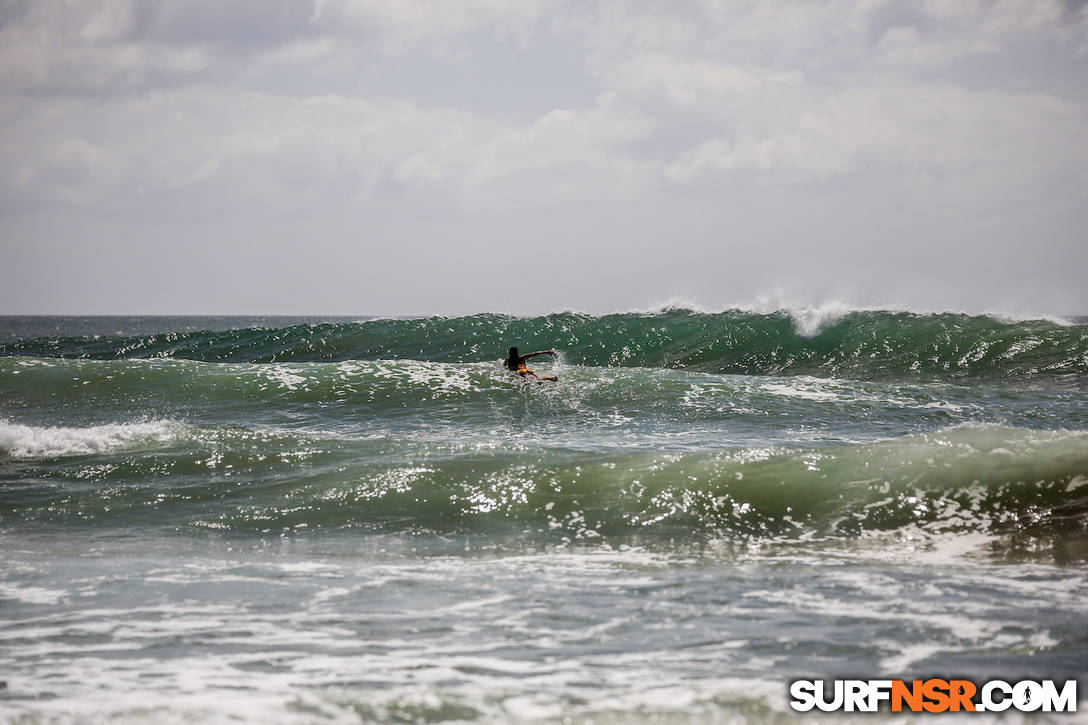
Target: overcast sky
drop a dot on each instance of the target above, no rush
(416, 157)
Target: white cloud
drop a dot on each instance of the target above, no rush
(249, 108)
(266, 149)
(565, 154)
(911, 133)
(798, 93)
(399, 24)
(690, 82)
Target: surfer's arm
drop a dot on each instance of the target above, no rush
(528, 355)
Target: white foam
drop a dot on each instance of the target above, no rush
(30, 594)
(440, 377)
(29, 441)
(673, 303)
(808, 389)
(282, 376)
(1014, 317)
(811, 321)
(811, 318)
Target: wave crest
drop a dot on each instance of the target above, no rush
(28, 441)
(827, 341)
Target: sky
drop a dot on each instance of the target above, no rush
(415, 157)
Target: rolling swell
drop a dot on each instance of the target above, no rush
(967, 479)
(592, 407)
(862, 345)
(410, 427)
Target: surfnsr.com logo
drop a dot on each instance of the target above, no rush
(933, 695)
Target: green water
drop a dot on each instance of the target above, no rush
(351, 519)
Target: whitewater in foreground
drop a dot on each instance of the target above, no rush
(283, 520)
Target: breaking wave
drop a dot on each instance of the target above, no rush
(969, 478)
(27, 441)
(823, 342)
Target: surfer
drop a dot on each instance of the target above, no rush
(517, 363)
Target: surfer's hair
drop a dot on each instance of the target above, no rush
(513, 352)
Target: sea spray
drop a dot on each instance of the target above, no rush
(25, 441)
(866, 345)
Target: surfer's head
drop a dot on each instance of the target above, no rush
(513, 352)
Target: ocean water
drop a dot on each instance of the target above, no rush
(351, 519)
